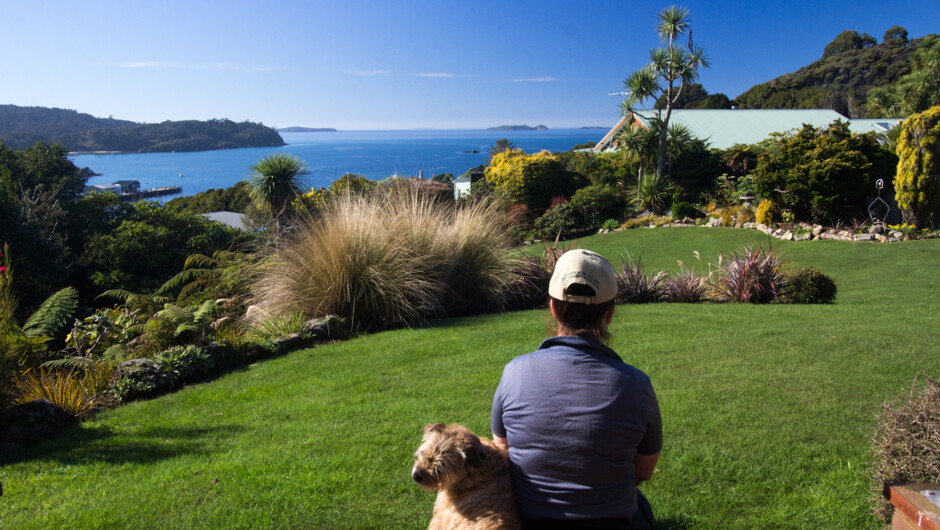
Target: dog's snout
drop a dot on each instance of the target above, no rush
(419, 476)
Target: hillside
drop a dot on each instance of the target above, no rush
(21, 127)
(851, 65)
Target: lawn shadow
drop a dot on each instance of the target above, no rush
(82, 444)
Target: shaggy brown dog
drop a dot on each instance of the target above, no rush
(471, 476)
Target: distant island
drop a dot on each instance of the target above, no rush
(518, 128)
(306, 129)
(22, 127)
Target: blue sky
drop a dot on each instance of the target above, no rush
(397, 64)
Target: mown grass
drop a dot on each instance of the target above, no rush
(767, 409)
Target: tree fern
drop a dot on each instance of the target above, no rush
(54, 313)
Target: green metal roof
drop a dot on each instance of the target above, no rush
(722, 128)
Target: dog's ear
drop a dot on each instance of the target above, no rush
(439, 427)
(473, 451)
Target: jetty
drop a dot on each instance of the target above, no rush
(129, 190)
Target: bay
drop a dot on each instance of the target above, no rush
(329, 155)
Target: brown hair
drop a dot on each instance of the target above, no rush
(583, 320)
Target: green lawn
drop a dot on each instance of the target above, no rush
(767, 409)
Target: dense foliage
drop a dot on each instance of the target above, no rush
(231, 199)
(822, 174)
(914, 92)
(917, 184)
(841, 80)
(530, 179)
(21, 127)
(38, 185)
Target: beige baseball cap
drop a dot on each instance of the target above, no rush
(580, 266)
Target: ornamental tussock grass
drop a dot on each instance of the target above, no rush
(72, 390)
(390, 259)
(906, 443)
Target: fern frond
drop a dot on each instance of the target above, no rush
(183, 328)
(54, 313)
(175, 314)
(78, 363)
(206, 311)
(180, 279)
(118, 294)
(201, 261)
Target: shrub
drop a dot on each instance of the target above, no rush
(185, 363)
(745, 214)
(752, 275)
(518, 216)
(530, 179)
(906, 443)
(727, 217)
(827, 172)
(808, 286)
(381, 261)
(684, 287)
(610, 224)
(560, 220)
(766, 212)
(595, 203)
(681, 210)
(917, 184)
(639, 222)
(634, 286)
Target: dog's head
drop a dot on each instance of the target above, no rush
(448, 453)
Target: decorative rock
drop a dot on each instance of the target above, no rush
(818, 229)
(289, 342)
(31, 423)
(906, 238)
(688, 221)
(876, 229)
(748, 225)
(802, 236)
(760, 226)
(328, 327)
(897, 234)
(865, 237)
(881, 238)
(788, 236)
(931, 235)
(146, 377)
(845, 234)
(714, 222)
(893, 240)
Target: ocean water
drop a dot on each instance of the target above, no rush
(329, 155)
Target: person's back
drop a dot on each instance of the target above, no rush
(575, 416)
(582, 427)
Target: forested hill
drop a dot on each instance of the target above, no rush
(851, 65)
(21, 127)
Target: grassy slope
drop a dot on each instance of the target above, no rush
(767, 409)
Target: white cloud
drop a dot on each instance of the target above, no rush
(199, 66)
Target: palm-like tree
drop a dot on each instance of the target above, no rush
(501, 145)
(672, 67)
(276, 181)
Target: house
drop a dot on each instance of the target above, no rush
(129, 186)
(722, 128)
(463, 184)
